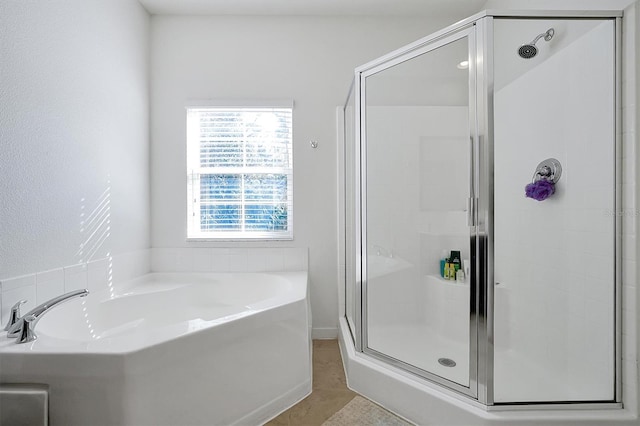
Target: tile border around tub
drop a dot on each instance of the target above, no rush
(213, 259)
(94, 275)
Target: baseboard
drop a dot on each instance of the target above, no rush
(324, 333)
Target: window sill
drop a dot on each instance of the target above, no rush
(242, 240)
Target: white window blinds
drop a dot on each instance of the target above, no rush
(240, 173)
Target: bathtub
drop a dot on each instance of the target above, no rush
(172, 349)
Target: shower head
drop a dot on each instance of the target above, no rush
(528, 51)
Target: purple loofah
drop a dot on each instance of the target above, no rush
(540, 190)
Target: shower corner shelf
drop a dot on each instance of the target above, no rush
(438, 280)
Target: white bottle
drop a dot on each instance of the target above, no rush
(467, 267)
(460, 276)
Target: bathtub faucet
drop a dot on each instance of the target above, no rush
(24, 326)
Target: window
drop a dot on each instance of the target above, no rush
(240, 173)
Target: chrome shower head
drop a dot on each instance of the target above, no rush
(528, 51)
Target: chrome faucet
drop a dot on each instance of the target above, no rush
(14, 316)
(23, 326)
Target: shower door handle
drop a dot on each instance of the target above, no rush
(471, 200)
(470, 211)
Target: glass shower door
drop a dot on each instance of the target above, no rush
(555, 250)
(350, 237)
(417, 213)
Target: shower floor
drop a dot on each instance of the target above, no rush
(421, 346)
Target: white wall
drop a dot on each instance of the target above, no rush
(74, 132)
(307, 59)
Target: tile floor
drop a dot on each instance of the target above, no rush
(329, 392)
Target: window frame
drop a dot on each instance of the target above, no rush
(193, 177)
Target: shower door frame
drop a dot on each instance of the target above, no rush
(467, 29)
(486, 208)
(487, 195)
(482, 293)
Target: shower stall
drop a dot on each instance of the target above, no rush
(482, 185)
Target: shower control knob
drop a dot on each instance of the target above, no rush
(545, 171)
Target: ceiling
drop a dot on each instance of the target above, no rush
(427, 8)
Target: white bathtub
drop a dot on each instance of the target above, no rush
(172, 349)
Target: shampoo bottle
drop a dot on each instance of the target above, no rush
(443, 262)
(455, 260)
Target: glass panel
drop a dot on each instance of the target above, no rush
(418, 174)
(239, 162)
(350, 213)
(220, 216)
(214, 188)
(554, 258)
(265, 187)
